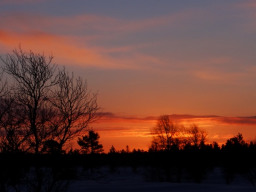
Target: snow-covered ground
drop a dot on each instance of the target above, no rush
(126, 179)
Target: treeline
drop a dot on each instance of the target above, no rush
(39, 172)
(235, 152)
(236, 144)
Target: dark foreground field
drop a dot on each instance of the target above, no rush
(138, 171)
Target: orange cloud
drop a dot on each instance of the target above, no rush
(69, 50)
(51, 34)
(220, 76)
(215, 69)
(66, 50)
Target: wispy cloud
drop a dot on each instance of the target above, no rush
(75, 39)
(182, 117)
(237, 120)
(223, 69)
(66, 50)
(70, 51)
(220, 119)
(88, 39)
(89, 23)
(219, 76)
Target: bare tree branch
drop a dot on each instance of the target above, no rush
(54, 106)
(34, 75)
(166, 132)
(75, 106)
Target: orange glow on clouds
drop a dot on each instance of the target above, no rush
(71, 51)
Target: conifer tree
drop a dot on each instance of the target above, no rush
(90, 143)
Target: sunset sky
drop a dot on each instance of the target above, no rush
(145, 58)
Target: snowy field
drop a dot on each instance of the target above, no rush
(126, 179)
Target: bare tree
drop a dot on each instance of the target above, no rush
(13, 135)
(33, 74)
(54, 105)
(166, 133)
(75, 107)
(155, 145)
(9, 122)
(197, 136)
(4, 106)
(5, 103)
(3, 85)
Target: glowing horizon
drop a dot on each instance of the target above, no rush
(135, 132)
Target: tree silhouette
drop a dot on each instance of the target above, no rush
(13, 136)
(33, 74)
(3, 85)
(52, 104)
(197, 136)
(74, 107)
(51, 147)
(112, 150)
(90, 143)
(166, 133)
(235, 144)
